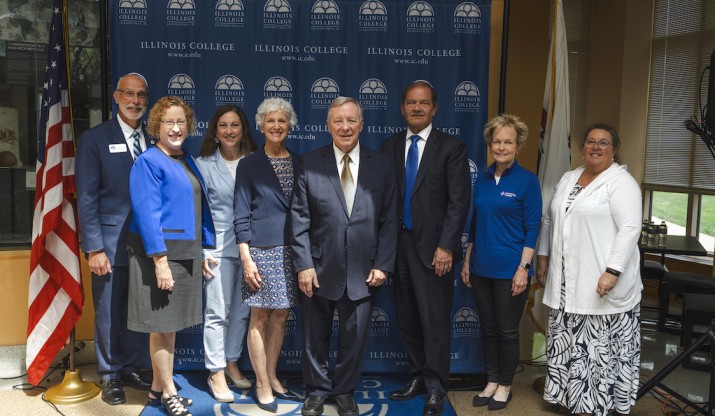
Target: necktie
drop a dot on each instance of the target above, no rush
(346, 179)
(137, 144)
(411, 165)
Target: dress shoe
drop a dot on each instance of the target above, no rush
(414, 387)
(346, 405)
(288, 395)
(112, 392)
(155, 399)
(241, 383)
(313, 406)
(225, 397)
(135, 381)
(173, 406)
(434, 406)
(268, 407)
(496, 404)
(480, 401)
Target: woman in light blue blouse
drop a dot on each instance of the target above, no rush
(228, 139)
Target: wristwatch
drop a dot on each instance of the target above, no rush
(526, 266)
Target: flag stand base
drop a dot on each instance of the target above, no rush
(72, 390)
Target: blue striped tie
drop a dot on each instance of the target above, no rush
(411, 166)
(137, 144)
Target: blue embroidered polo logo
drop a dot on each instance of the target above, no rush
(508, 194)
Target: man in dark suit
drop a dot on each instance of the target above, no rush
(105, 155)
(344, 226)
(434, 193)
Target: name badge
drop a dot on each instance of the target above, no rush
(118, 148)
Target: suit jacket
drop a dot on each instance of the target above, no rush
(261, 209)
(102, 180)
(220, 186)
(163, 208)
(343, 249)
(441, 196)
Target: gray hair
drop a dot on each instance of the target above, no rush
(136, 74)
(273, 104)
(339, 101)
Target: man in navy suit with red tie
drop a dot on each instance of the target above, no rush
(105, 155)
(434, 195)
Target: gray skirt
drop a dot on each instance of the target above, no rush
(151, 309)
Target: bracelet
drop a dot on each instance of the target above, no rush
(613, 272)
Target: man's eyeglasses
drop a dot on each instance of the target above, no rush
(129, 95)
(172, 123)
(593, 143)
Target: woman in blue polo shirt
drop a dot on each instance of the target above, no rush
(505, 219)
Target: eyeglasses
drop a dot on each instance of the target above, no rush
(172, 123)
(593, 143)
(129, 95)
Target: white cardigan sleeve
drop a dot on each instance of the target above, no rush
(625, 203)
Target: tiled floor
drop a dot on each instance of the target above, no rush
(658, 350)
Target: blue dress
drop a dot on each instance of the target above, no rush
(279, 286)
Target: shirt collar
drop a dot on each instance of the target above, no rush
(127, 129)
(354, 154)
(492, 168)
(424, 134)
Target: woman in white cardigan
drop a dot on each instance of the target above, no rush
(588, 261)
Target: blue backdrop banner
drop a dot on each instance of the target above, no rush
(211, 53)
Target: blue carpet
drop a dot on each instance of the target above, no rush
(371, 397)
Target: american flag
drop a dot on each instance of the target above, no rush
(55, 293)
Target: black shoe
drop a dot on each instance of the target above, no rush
(480, 401)
(173, 406)
(496, 404)
(313, 406)
(112, 392)
(346, 405)
(288, 395)
(414, 387)
(268, 407)
(155, 399)
(135, 381)
(434, 406)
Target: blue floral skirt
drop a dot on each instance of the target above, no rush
(279, 283)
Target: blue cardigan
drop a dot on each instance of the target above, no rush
(505, 219)
(163, 207)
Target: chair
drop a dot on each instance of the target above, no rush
(681, 283)
(697, 309)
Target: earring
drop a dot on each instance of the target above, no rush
(216, 139)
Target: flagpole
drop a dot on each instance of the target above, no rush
(504, 51)
(73, 388)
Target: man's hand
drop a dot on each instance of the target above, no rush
(376, 278)
(442, 261)
(99, 263)
(306, 280)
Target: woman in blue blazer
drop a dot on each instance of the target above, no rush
(227, 141)
(171, 222)
(264, 187)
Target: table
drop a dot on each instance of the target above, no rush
(684, 245)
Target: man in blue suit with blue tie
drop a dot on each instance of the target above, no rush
(344, 240)
(105, 155)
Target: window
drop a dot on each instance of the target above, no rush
(24, 34)
(679, 169)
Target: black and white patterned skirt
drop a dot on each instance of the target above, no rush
(593, 360)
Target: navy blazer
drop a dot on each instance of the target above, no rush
(441, 196)
(260, 208)
(220, 186)
(343, 249)
(102, 178)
